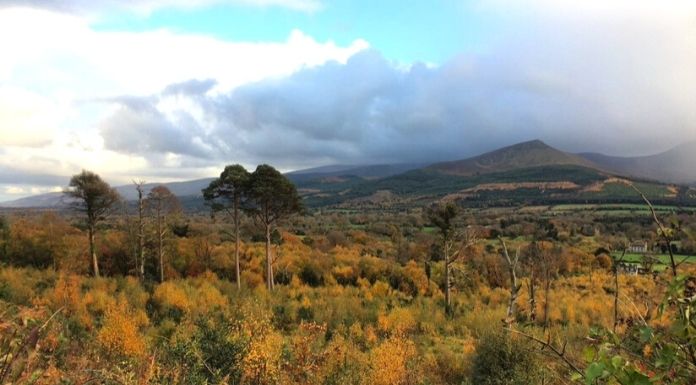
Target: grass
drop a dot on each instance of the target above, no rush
(662, 259)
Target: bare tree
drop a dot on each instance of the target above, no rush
(454, 241)
(514, 286)
(616, 288)
(163, 204)
(665, 234)
(96, 199)
(140, 256)
(542, 263)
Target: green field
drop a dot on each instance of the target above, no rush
(619, 207)
(662, 259)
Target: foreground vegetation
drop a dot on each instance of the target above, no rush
(484, 297)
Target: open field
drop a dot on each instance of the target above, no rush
(662, 259)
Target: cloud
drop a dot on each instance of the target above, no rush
(190, 88)
(612, 76)
(12, 175)
(147, 6)
(57, 87)
(618, 88)
(26, 118)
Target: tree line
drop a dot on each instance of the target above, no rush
(265, 195)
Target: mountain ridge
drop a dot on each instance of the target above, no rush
(670, 166)
(533, 153)
(534, 160)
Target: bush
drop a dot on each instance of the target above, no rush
(209, 356)
(311, 275)
(501, 359)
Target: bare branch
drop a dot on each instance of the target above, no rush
(663, 231)
(547, 345)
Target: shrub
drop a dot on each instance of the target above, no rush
(501, 359)
(211, 355)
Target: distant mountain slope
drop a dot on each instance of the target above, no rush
(47, 200)
(526, 173)
(523, 155)
(180, 189)
(677, 165)
(374, 171)
(128, 192)
(192, 189)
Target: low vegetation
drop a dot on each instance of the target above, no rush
(433, 295)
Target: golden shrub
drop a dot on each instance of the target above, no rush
(170, 295)
(399, 321)
(120, 332)
(390, 362)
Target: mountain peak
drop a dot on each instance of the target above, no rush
(533, 153)
(536, 143)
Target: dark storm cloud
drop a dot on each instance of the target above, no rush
(623, 88)
(138, 127)
(360, 112)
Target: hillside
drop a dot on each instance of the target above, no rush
(673, 166)
(337, 172)
(530, 154)
(526, 173)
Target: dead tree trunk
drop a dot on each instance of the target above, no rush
(269, 261)
(547, 292)
(93, 251)
(531, 285)
(141, 231)
(514, 286)
(448, 282)
(616, 290)
(236, 241)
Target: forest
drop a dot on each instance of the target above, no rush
(260, 289)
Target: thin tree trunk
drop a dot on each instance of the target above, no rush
(92, 251)
(160, 243)
(616, 297)
(514, 287)
(616, 290)
(236, 241)
(547, 290)
(532, 297)
(269, 271)
(141, 234)
(52, 246)
(448, 299)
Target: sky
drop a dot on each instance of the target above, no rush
(166, 90)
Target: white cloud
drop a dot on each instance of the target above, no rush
(612, 76)
(59, 78)
(15, 190)
(26, 118)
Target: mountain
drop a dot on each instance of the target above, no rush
(47, 200)
(192, 189)
(337, 172)
(525, 173)
(180, 189)
(534, 153)
(677, 165)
